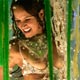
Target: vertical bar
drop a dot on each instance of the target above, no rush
(49, 35)
(5, 24)
(1, 40)
(1, 34)
(69, 24)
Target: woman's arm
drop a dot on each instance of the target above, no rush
(34, 77)
(14, 58)
(57, 60)
(1, 73)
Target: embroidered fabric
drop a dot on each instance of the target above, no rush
(27, 68)
(36, 46)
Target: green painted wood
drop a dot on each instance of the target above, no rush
(69, 24)
(6, 42)
(1, 33)
(49, 36)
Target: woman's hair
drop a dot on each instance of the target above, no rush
(33, 7)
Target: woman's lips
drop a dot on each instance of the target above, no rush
(27, 30)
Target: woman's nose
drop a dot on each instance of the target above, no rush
(23, 24)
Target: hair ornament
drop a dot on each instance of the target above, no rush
(16, 0)
(14, 7)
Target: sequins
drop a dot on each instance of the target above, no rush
(37, 46)
(27, 68)
(13, 43)
(23, 48)
(16, 0)
(9, 46)
(14, 7)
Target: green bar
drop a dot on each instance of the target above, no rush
(6, 42)
(69, 24)
(49, 36)
(1, 34)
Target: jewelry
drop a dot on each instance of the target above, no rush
(34, 45)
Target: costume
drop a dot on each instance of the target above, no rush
(37, 49)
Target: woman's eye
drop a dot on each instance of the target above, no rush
(27, 20)
(17, 22)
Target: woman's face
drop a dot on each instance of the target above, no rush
(26, 22)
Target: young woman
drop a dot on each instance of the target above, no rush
(29, 49)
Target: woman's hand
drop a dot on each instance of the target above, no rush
(58, 61)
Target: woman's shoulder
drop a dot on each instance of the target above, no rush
(14, 43)
(14, 39)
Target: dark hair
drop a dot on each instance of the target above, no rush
(33, 7)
